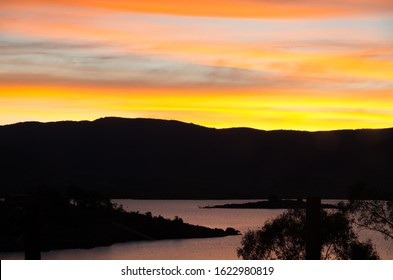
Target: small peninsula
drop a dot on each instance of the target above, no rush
(85, 220)
(270, 204)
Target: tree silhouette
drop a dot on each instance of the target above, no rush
(285, 238)
(80, 198)
(376, 215)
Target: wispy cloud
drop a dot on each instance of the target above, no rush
(158, 50)
(267, 64)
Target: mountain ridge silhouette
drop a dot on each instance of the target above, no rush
(150, 158)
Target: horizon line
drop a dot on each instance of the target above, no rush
(190, 123)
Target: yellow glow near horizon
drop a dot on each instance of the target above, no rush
(219, 109)
(304, 66)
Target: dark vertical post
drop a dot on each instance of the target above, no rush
(313, 229)
(32, 230)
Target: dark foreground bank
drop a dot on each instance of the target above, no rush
(91, 221)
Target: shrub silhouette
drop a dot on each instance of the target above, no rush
(376, 215)
(284, 238)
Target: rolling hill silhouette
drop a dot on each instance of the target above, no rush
(147, 158)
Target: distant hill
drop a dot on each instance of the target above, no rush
(147, 158)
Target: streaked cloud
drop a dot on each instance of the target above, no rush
(265, 64)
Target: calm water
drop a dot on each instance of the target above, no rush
(190, 212)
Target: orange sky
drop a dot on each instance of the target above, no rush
(230, 8)
(307, 66)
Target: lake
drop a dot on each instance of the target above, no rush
(191, 249)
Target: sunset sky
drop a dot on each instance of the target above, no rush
(305, 65)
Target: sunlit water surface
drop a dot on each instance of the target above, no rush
(191, 249)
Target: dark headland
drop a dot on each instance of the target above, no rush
(271, 204)
(158, 159)
(52, 221)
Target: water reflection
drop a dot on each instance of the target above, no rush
(190, 212)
